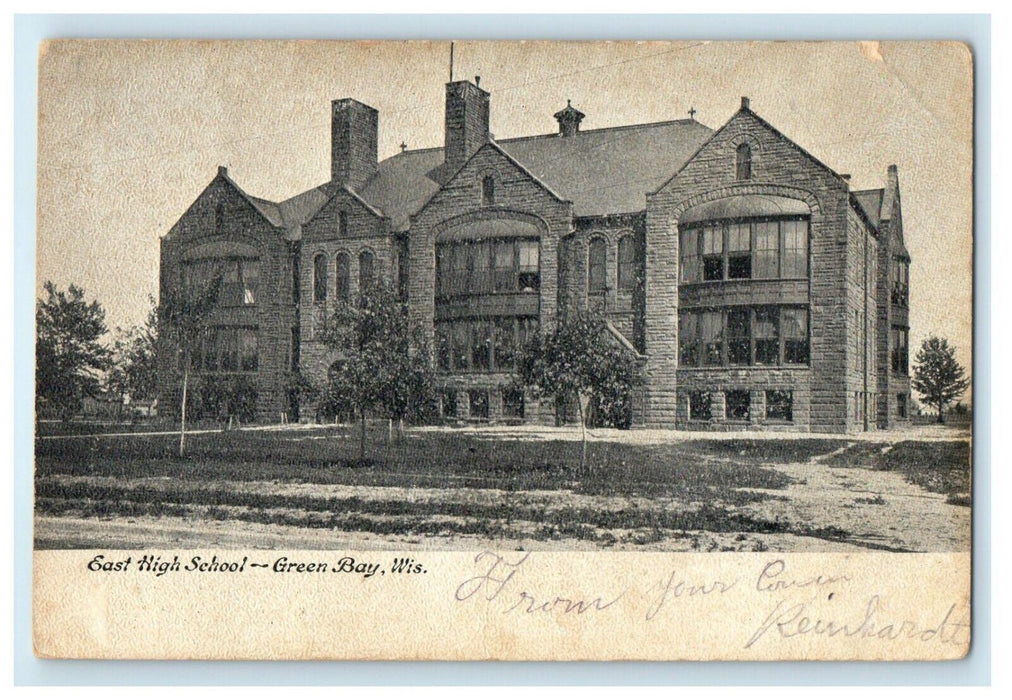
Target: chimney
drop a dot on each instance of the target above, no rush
(569, 120)
(466, 122)
(354, 145)
(745, 103)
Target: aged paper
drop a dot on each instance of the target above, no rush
(504, 350)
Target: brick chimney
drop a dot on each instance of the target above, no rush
(569, 120)
(354, 148)
(466, 122)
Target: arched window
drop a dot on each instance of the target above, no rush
(627, 264)
(343, 286)
(597, 266)
(743, 162)
(365, 271)
(487, 191)
(320, 278)
(342, 223)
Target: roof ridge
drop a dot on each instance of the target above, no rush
(620, 127)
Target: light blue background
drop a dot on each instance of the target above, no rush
(29, 30)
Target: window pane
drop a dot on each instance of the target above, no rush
(766, 250)
(478, 400)
(711, 332)
(743, 162)
(688, 340)
(528, 253)
(700, 405)
(767, 342)
(251, 280)
(248, 350)
(627, 272)
(738, 237)
(513, 403)
(713, 240)
(481, 346)
(795, 248)
(505, 343)
(343, 288)
(597, 278)
(689, 255)
(365, 271)
(320, 278)
(794, 326)
(738, 340)
(461, 343)
(780, 405)
(738, 405)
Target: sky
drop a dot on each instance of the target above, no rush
(130, 132)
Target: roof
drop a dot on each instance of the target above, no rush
(871, 202)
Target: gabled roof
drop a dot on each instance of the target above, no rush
(871, 202)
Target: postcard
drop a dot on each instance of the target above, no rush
(504, 350)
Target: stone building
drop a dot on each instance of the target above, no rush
(753, 286)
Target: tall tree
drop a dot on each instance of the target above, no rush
(184, 313)
(938, 377)
(577, 360)
(69, 357)
(385, 365)
(134, 370)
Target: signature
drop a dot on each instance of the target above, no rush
(793, 620)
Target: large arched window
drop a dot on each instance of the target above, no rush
(597, 266)
(743, 162)
(628, 273)
(320, 278)
(343, 282)
(365, 271)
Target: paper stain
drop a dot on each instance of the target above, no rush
(872, 50)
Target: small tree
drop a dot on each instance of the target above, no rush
(577, 360)
(938, 377)
(69, 357)
(134, 370)
(385, 364)
(185, 313)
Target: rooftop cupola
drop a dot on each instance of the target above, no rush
(569, 120)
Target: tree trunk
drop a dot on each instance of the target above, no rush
(182, 424)
(941, 412)
(361, 440)
(390, 430)
(582, 401)
(400, 428)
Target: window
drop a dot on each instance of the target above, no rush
(342, 224)
(743, 162)
(628, 276)
(688, 339)
(738, 404)
(231, 281)
(794, 325)
(689, 255)
(296, 281)
(711, 334)
(487, 191)
(227, 350)
(513, 403)
(795, 260)
(597, 266)
(767, 341)
(901, 405)
(365, 271)
(449, 403)
(343, 286)
(528, 256)
(767, 250)
(738, 337)
(898, 349)
(506, 266)
(780, 405)
(713, 253)
(482, 345)
(700, 405)
(739, 252)
(320, 278)
(478, 400)
(744, 250)
(899, 276)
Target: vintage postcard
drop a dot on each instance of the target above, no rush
(504, 350)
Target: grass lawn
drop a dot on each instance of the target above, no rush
(447, 484)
